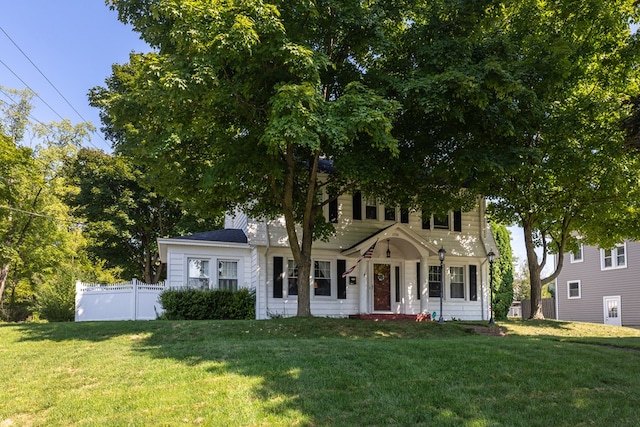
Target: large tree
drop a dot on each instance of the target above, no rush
(37, 234)
(554, 78)
(241, 101)
(122, 218)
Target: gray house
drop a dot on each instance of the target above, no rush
(600, 285)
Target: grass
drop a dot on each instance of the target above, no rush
(317, 372)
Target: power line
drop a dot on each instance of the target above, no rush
(50, 83)
(41, 215)
(48, 126)
(29, 87)
(42, 74)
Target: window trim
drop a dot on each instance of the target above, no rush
(332, 278)
(614, 257)
(430, 222)
(208, 277)
(237, 278)
(440, 282)
(332, 287)
(569, 283)
(443, 225)
(213, 270)
(371, 205)
(392, 211)
(463, 283)
(572, 257)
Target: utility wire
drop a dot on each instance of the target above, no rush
(41, 215)
(50, 83)
(48, 126)
(27, 85)
(42, 74)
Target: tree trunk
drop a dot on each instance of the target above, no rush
(534, 271)
(4, 273)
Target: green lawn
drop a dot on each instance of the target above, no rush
(317, 372)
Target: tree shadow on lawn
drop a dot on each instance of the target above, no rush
(460, 380)
(360, 374)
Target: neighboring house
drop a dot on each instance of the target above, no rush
(400, 275)
(600, 285)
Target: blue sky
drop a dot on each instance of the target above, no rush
(73, 43)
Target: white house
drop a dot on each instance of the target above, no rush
(393, 252)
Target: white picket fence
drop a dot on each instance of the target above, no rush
(121, 301)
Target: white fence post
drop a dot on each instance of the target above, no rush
(134, 300)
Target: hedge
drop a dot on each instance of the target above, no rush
(198, 304)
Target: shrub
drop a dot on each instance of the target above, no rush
(55, 301)
(197, 304)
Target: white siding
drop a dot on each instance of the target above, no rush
(179, 254)
(408, 243)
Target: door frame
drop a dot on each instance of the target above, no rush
(396, 307)
(612, 320)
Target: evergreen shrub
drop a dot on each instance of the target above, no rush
(198, 304)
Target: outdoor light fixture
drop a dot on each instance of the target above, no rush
(441, 254)
(388, 250)
(491, 257)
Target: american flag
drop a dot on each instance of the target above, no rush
(367, 254)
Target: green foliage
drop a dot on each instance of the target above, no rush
(123, 217)
(521, 285)
(56, 301)
(563, 169)
(197, 304)
(502, 272)
(42, 245)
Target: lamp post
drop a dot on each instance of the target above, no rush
(441, 254)
(491, 257)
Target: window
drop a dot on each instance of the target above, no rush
(292, 277)
(435, 278)
(573, 289)
(441, 222)
(404, 215)
(613, 258)
(322, 278)
(198, 273)
(576, 256)
(456, 282)
(371, 208)
(426, 221)
(389, 213)
(228, 275)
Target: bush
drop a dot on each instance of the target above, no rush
(197, 304)
(56, 302)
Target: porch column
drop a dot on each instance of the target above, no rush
(364, 286)
(424, 286)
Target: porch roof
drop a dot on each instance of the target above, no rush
(400, 236)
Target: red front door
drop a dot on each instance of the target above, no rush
(381, 287)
